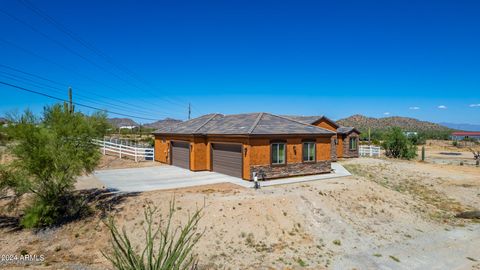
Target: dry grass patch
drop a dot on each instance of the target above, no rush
(436, 205)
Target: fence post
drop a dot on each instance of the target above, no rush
(371, 151)
(120, 151)
(136, 154)
(103, 147)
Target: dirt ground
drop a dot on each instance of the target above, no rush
(113, 162)
(390, 214)
(443, 152)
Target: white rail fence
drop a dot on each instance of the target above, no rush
(369, 151)
(138, 153)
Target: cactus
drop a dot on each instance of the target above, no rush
(423, 153)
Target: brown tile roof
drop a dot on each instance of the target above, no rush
(311, 119)
(243, 124)
(347, 130)
(305, 119)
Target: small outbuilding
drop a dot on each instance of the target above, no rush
(466, 135)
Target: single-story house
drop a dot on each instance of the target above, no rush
(241, 145)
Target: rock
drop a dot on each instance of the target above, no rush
(469, 214)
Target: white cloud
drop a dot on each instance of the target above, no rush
(386, 113)
(414, 108)
(474, 105)
(443, 107)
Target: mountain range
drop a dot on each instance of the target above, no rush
(119, 122)
(363, 123)
(465, 127)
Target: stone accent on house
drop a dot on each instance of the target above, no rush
(347, 152)
(333, 149)
(293, 169)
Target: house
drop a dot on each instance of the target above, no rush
(127, 127)
(410, 133)
(344, 144)
(465, 135)
(242, 145)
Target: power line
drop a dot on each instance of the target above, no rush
(76, 103)
(88, 45)
(56, 89)
(80, 95)
(65, 68)
(34, 29)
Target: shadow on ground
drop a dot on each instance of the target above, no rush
(103, 201)
(97, 202)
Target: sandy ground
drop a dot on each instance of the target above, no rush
(443, 152)
(389, 215)
(113, 162)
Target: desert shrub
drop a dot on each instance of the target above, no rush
(164, 247)
(397, 145)
(49, 154)
(417, 139)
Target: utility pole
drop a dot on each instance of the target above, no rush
(369, 141)
(70, 99)
(189, 111)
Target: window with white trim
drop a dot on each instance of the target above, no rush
(308, 151)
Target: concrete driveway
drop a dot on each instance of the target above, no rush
(169, 177)
(159, 177)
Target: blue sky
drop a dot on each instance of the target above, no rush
(338, 58)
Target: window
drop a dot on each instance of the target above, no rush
(308, 151)
(278, 153)
(353, 143)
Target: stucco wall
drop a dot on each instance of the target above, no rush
(339, 147)
(329, 126)
(326, 125)
(323, 148)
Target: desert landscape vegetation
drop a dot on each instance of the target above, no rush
(249, 135)
(391, 214)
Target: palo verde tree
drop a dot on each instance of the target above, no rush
(48, 154)
(397, 145)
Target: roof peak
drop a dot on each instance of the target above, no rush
(300, 122)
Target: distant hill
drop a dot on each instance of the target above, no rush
(162, 123)
(362, 123)
(118, 122)
(464, 127)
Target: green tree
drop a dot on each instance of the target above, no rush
(397, 145)
(48, 155)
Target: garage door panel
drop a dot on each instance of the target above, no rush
(227, 159)
(181, 154)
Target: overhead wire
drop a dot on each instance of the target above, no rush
(18, 47)
(75, 103)
(62, 91)
(77, 94)
(61, 27)
(36, 30)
